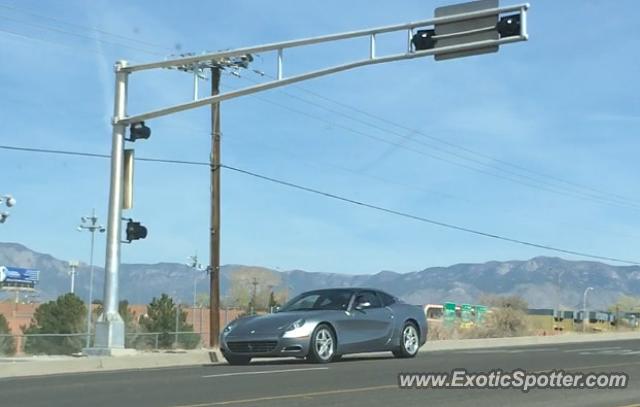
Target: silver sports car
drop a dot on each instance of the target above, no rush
(323, 325)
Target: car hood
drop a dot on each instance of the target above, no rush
(271, 323)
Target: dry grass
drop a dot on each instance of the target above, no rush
(507, 318)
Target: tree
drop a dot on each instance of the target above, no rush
(272, 301)
(626, 303)
(512, 301)
(161, 318)
(241, 290)
(507, 317)
(65, 315)
(7, 343)
(202, 300)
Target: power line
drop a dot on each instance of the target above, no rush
(437, 139)
(509, 176)
(340, 198)
(88, 37)
(56, 43)
(607, 200)
(602, 197)
(322, 165)
(97, 155)
(84, 27)
(421, 152)
(426, 220)
(545, 185)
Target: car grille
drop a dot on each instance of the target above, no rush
(252, 346)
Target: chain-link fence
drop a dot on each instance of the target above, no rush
(68, 344)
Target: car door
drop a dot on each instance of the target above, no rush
(369, 324)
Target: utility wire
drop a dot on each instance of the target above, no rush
(600, 197)
(88, 37)
(56, 43)
(83, 27)
(607, 200)
(340, 198)
(509, 176)
(426, 220)
(607, 196)
(436, 139)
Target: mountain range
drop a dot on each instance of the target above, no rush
(544, 282)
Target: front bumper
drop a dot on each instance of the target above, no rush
(264, 346)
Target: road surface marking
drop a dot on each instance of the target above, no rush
(292, 396)
(484, 351)
(589, 367)
(615, 352)
(591, 349)
(264, 372)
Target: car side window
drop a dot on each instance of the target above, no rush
(386, 298)
(370, 297)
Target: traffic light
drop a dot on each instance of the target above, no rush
(509, 26)
(139, 131)
(423, 40)
(135, 231)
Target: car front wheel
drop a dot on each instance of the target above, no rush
(323, 345)
(409, 342)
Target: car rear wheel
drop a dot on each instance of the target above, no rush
(409, 341)
(323, 345)
(238, 360)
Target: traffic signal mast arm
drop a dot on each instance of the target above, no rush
(413, 50)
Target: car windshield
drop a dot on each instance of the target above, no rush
(319, 300)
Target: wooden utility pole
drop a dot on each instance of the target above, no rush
(214, 249)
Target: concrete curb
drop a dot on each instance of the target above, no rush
(434, 346)
(37, 366)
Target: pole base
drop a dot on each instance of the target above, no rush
(109, 332)
(108, 352)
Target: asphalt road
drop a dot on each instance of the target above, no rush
(355, 381)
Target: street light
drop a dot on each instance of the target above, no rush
(585, 317)
(73, 268)
(197, 268)
(90, 224)
(559, 274)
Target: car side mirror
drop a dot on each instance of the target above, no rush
(362, 305)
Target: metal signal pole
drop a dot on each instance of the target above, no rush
(214, 252)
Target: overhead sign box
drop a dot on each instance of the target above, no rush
(466, 31)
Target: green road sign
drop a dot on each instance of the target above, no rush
(481, 310)
(466, 311)
(449, 312)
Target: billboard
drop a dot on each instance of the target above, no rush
(18, 277)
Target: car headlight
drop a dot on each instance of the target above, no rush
(229, 328)
(295, 325)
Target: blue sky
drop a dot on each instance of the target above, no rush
(564, 104)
